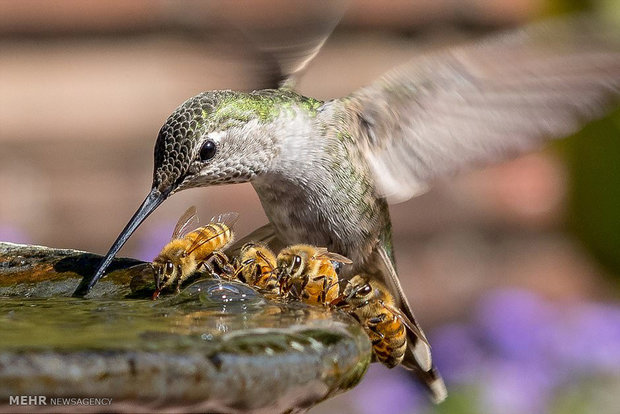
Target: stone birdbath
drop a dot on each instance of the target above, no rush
(216, 347)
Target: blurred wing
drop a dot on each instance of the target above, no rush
(476, 104)
(187, 223)
(291, 46)
(284, 37)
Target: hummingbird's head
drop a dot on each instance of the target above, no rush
(215, 138)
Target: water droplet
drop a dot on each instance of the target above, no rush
(206, 337)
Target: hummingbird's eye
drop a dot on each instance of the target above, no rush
(208, 150)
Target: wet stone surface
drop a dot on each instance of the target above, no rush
(217, 346)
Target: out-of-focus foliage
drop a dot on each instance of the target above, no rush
(593, 158)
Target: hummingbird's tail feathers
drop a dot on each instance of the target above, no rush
(469, 106)
(393, 284)
(432, 382)
(418, 354)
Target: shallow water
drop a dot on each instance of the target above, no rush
(198, 315)
(216, 346)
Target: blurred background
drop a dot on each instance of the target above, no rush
(513, 270)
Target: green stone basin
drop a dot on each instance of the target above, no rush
(217, 346)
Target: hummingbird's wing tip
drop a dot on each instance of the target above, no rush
(480, 103)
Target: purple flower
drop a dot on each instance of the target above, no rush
(457, 353)
(517, 324)
(510, 387)
(588, 340)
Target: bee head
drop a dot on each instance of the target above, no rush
(164, 274)
(357, 290)
(292, 260)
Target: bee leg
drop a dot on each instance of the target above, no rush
(355, 316)
(302, 291)
(377, 319)
(305, 282)
(372, 325)
(176, 286)
(210, 269)
(321, 297)
(292, 292)
(324, 291)
(281, 283)
(256, 273)
(376, 331)
(272, 283)
(239, 274)
(299, 291)
(223, 263)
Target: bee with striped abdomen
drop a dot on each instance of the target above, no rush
(307, 273)
(370, 302)
(395, 338)
(256, 266)
(189, 249)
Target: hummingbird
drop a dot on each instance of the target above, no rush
(326, 171)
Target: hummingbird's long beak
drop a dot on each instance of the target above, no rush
(150, 203)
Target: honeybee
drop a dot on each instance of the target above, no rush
(256, 266)
(370, 302)
(189, 249)
(307, 273)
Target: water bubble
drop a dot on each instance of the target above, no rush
(216, 294)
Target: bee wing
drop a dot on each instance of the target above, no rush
(229, 219)
(335, 257)
(264, 234)
(203, 237)
(187, 222)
